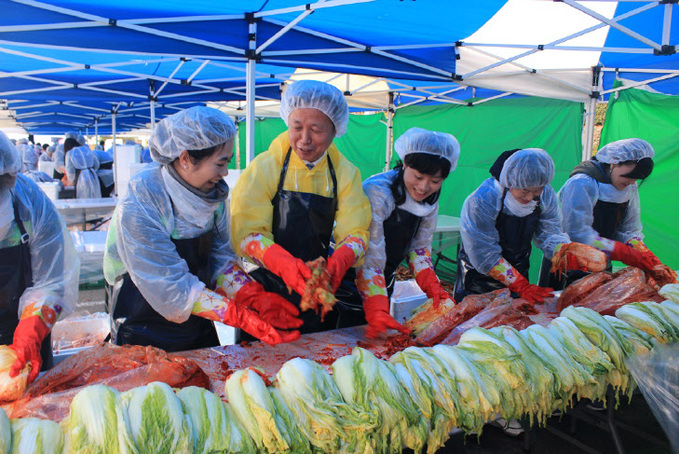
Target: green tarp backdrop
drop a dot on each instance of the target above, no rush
(654, 118)
(484, 131)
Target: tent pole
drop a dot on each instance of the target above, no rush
(236, 145)
(153, 114)
(588, 136)
(390, 129)
(115, 161)
(96, 131)
(250, 95)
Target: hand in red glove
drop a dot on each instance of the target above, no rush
(28, 337)
(338, 264)
(430, 285)
(246, 319)
(377, 314)
(271, 307)
(631, 257)
(292, 270)
(529, 292)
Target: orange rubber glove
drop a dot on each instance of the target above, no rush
(529, 292)
(213, 306)
(247, 320)
(271, 307)
(292, 270)
(377, 315)
(632, 257)
(28, 337)
(430, 285)
(338, 264)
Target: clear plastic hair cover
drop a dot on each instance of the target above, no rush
(528, 168)
(196, 128)
(418, 140)
(313, 94)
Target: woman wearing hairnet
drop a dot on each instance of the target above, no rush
(39, 266)
(404, 211)
(286, 201)
(169, 240)
(81, 168)
(600, 203)
(501, 218)
(29, 157)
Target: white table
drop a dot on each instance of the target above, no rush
(446, 234)
(82, 211)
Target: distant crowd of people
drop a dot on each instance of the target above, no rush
(81, 172)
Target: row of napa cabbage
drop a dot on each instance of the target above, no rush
(368, 405)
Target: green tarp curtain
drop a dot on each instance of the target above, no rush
(484, 131)
(655, 118)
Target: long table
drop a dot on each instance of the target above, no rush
(82, 211)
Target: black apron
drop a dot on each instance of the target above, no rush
(135, 322)
(16, 276)
(302, 225)
(516, 236)
(607, 218)
(399, 230)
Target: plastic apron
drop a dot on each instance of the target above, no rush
(16, 276)
(516, 236)
(302, 225)
(135, 322)
(607, 218)
(399, 230)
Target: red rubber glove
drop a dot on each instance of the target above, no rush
(271, 307)
(246, 319)
(377, 315)
(631, 257)
(28, 337)
(529, 292)
(430, 285)
(338, 264)
(292, 270)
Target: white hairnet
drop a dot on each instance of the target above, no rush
(418, 140)
(527, 168)
(22, 140)
(81, 139)
(196, 128)
(625, 150)
(10, 159)
(313, 94)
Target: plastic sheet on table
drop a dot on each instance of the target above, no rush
(657, 375)
(324, 348)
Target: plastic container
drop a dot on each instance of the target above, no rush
(77, 333)
(51, 188)
(406, 297)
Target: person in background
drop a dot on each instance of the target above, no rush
(39, 266)
(294, 197)
(59, 159)
(48, 153)
(169, 246)
(29, 158)
(600, 204)
(501, 219)
(81, 169)
(405, 208)
(105, 171)
(145, 156)
(102, 144)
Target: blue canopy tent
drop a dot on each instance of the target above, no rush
(383, 38)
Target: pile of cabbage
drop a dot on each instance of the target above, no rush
(368, 405)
